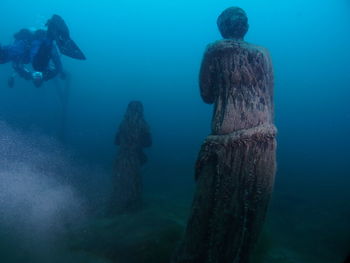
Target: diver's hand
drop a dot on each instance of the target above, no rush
(37, 78)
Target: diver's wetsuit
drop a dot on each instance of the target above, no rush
(44, 51)
(38, 52)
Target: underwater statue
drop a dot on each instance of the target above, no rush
(236, 165)
(133, 135)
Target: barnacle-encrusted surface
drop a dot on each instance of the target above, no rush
(133, 135)
(236, 165)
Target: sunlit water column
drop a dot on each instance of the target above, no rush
(236, 165)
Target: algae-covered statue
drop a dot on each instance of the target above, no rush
(132, 137)
(236, 165)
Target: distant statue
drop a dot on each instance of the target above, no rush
(236, 165)
(133, 135)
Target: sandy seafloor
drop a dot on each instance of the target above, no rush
(298, 230)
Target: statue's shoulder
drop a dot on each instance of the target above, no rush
(260, 51)
(236, 45)
(224, 44)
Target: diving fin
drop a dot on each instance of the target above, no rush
(58, 30)
(69, 48)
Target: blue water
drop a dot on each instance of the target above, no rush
(151, 51)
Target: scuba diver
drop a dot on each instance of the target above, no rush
(39, 50)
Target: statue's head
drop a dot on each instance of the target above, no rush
(233, 23)
(135, 107)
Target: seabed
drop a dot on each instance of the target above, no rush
(296, 231)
